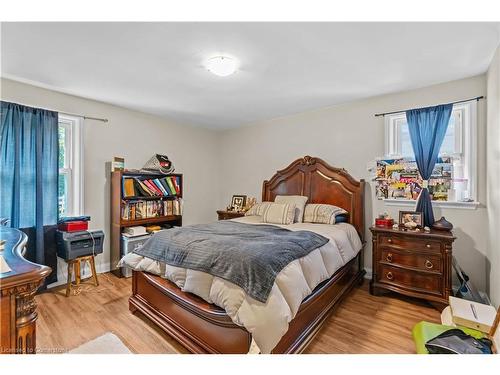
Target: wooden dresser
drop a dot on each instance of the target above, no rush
(17, 300)
(227, 215)
(416, 264)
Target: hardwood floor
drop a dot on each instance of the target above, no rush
(361, 324)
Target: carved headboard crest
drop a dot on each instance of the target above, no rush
(321, 183)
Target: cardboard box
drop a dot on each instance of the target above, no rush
(472, 314)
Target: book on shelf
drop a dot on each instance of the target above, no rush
(177, 184)
(142, 209)
(160, 186)
(163, 183)
(171, 186)
(166, 186)
(128, 187)
(141, 188)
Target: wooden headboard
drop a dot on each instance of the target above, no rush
(321, 183)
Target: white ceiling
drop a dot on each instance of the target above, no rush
(285, 67)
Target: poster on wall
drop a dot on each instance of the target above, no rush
(399, 179)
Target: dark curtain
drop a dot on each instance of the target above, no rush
(29, 175)
(427, 128)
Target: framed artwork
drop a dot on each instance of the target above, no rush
(238, 202)
(411, 219)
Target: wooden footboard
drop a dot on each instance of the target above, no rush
(199, 326)
(205, 328)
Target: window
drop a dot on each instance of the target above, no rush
(70, 166)
(459, 144)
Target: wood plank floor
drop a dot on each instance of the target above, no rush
(361, 324)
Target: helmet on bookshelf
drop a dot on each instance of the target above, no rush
(159, 163)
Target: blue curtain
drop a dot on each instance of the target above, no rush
(427, 128)
(29, 172)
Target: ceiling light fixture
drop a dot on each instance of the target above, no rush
(222, 66)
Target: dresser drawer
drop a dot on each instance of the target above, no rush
(411, 280)
(409, 243)
(425, 262)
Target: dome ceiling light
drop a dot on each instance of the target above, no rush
(221, 66)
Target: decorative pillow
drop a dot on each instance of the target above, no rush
(341, 218)
(279, 213)
(298, 200)
(322, 213)
(258, 209)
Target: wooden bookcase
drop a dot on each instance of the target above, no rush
(117, 203)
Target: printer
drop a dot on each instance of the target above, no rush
(71, 245)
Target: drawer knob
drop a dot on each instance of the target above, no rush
(428, 264)
(389, 240)
(428, 246)
(389, 276)
(389, 257)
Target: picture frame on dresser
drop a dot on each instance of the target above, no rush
(411, 219)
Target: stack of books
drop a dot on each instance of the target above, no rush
(145, 209)
(151, 187)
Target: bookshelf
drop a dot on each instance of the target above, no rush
(121, 204)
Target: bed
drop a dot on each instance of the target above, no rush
(204, 327)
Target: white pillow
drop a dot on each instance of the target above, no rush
(298, 200)
(322, 213)
(279, 213)
(257, 209)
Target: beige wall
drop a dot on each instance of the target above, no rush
(135, 136)
(493, 180)
(350, 136)
(347, 135)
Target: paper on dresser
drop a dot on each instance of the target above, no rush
(4, 267)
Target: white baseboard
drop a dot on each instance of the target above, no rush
(368, 274)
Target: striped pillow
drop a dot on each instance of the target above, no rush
(279, 213)
(322, 213)
(298, 200)
(257, 209)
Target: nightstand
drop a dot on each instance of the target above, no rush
(226, 215)
(415, 264)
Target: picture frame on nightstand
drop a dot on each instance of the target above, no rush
(238, 202)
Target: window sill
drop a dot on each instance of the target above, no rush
(410, 203)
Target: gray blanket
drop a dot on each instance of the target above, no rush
(250, 256)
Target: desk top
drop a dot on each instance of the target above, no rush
(21, 270)
(433, 232)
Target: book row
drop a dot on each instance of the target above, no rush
(154, 187)
(140, 209)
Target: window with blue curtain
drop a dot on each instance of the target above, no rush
(29, 178)
(427, 128)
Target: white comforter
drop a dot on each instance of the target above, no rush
(267, 322)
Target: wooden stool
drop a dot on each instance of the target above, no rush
(74, 264)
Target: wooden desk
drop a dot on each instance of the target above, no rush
(18, 288)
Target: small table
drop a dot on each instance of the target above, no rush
(227, 215)
(75, 264)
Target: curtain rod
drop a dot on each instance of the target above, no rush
(67, 113)
(477, 98)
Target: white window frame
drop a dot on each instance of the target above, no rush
(74, 169)
(465, 142)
